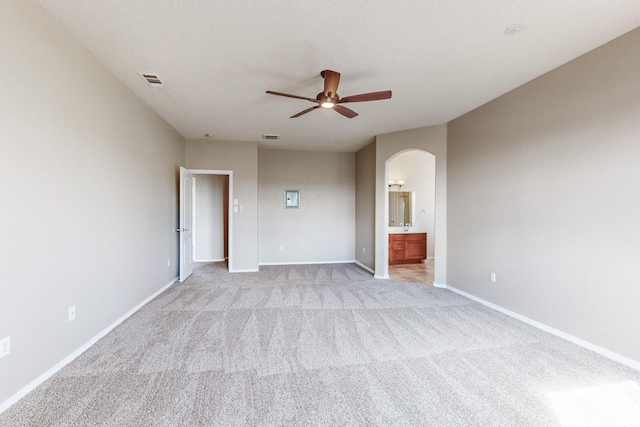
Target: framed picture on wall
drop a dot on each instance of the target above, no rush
(291, 199)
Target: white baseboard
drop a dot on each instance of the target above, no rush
(578, 341)
(51, 371)
(248, 270)
(208, 260)
(370, 270)
(320, 262)
(439, 285)
(381, 276)
(307, 262)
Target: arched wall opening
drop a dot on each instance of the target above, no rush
(433, 140)
(411, 175)
(416, 167)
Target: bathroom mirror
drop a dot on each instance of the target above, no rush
(400, 208)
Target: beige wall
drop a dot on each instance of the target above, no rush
(323, 229)
(89, 196)
(241, 158)
(544, 190)
(432, 139)
(366, 206)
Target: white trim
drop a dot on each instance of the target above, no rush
(370, 270)
(578, 341)
(230, 255)
(194, 208)
(381, 276)
(52, 371)
(321, 262)
(438, 285)
(230, 225)
(307, 262)
(209, 171)
(249, 270)
(208, 260)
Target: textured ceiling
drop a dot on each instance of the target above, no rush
(440, 58)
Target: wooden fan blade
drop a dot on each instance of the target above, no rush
(331, 82)
(270, 92)
(372, 96)
(345, 111)
(304, 112)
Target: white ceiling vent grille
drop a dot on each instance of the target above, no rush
(152, 80)
(270, 136)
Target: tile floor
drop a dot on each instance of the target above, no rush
(414, 273)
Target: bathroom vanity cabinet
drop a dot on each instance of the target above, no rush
(407, 248)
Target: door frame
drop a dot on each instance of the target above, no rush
(382, 218)
(185, 227)
(228, 173)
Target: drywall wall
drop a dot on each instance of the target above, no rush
(432, 139)
(418, 169)
(544, 190)
(208, 228)
(241, 157)
(323, 228)
(89, 196)
(366, 205)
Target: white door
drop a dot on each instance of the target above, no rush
(186, 229)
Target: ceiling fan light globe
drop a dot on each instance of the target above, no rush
(327, 104)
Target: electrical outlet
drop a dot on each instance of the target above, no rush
(364, 251)
(72, 313)
(282, 247)
(493, 277)
(5, 346)
(168, 262)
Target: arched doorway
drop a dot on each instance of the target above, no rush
(432, 139)
(411, 212)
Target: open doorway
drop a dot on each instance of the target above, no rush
(411, 216)
(215, 218)
(211, 218)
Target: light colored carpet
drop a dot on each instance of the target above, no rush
(328, 345)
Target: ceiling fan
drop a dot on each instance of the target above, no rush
(330, 99)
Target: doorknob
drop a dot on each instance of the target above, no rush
(181, 230)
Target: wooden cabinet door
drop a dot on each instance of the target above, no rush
(407, 248)
(415, 247)
(415, 250)
(396, 248)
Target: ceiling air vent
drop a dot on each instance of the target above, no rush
(152, 80)
(270, 136)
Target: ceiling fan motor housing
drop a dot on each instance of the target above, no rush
(333, 98)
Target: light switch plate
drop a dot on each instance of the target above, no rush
(5, 346)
